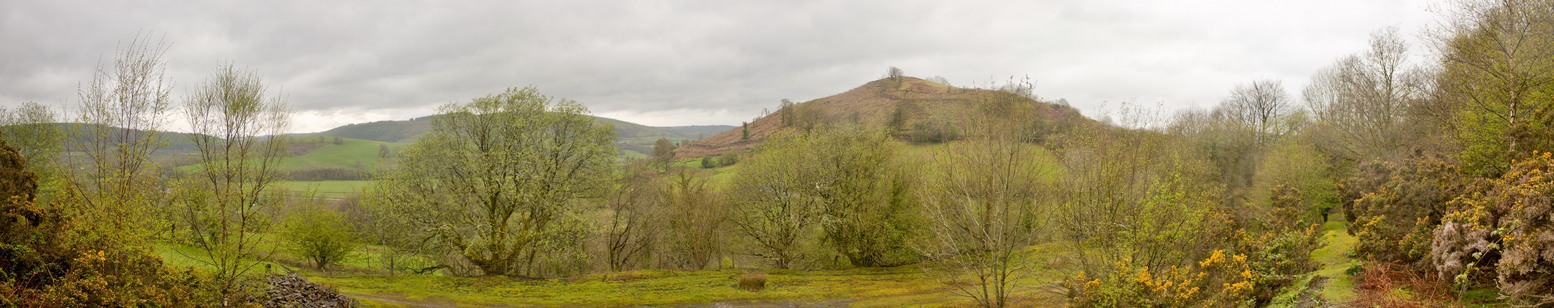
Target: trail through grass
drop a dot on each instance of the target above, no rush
(1334, 259)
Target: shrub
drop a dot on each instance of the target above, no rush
(1526, 194)
(1396, 206)
(1218, 281)
(319, 235)
(728, 159)
(752, 281)
(1508, 230)
(1277, 257)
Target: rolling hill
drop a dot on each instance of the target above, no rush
(634, 138)
(923, 111)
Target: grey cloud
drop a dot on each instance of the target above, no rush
(689, 62)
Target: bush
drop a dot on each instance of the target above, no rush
(1221, 280)
(319, 235)
(1396, 207)
(1526, 194)
(752, 281)
(728, 159)
(1278, 257)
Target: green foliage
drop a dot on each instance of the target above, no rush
(1131, 195)
(728, 159)
(841, 179)
(1394, 207)
(1495, 69)
(773, 197)
(497, 179)
(663, 153)
(319, 235)
(1276, 258)
(1294, 166)
(869, 207)
(707, 162)
(45, 262)
(31, 129)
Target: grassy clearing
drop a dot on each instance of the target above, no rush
(1334, 259)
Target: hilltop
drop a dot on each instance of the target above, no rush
(916, 110)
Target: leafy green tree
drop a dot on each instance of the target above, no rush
(35, 130)
(773, 200)
(663, 153)
(868, 212)
(1498, 68)
(318, 234)
(497, 179)
(744, 131)
(728, 159)
(224, 204)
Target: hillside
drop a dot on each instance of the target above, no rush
(929, 112)
(633, 137)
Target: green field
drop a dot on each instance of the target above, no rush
(350, 154)
(332, 189)
(868, 287)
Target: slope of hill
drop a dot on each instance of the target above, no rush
(633, 137)
(923, 111)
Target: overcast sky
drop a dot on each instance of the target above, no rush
(691, 62)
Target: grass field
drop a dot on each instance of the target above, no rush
(865, 287)
(860, 287)
(328, 189)
(348, 154)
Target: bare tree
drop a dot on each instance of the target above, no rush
(987, 206)
(121, 111)
(234, 124)
(1365, 97)
(693, 221)
(1257, 104)
(632, 228)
